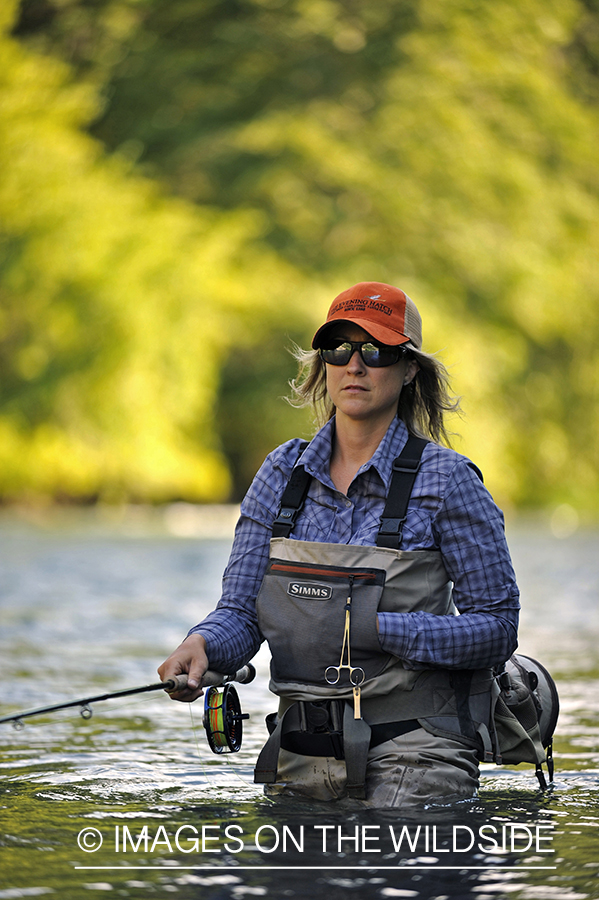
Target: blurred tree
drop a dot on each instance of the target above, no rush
(445, 145)
(116, 307)
(583, 54)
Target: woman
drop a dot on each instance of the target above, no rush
(354, 570)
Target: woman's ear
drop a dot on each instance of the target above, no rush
(411, 370)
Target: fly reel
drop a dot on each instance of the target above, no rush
(222, 719)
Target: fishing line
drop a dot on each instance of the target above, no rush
(209, 710)
(226, 759)
(195, 732)
(205, 771)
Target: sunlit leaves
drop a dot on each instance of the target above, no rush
(117, 308)
(448, 146)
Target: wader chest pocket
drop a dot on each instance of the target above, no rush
(302, 614)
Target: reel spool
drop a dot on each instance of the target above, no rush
(222, 719)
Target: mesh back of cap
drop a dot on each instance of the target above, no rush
(413, 323)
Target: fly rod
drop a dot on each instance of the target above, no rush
(222, 711)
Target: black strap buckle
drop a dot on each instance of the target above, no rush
(411, 466)
(392, 525)
(286, 516)
(285, 521)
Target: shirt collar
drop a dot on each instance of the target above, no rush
(317, 454)
(388, 450)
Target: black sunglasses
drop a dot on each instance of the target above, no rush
(375, 356)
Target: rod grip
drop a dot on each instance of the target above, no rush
(177, 683)
(212, 679)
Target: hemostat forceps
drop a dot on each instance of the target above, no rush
(357, 675)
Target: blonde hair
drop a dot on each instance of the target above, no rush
(422, 404)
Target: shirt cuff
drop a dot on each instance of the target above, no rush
(393, 633)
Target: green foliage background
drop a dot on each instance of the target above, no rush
(184, 187)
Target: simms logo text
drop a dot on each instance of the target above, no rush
(310, 590)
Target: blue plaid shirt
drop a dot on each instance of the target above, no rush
(450, 510)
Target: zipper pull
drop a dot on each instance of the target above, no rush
(349, 596)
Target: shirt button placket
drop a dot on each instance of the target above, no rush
(344, 519)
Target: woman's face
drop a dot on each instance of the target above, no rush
(363, 393)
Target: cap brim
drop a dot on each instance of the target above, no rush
(378, 332)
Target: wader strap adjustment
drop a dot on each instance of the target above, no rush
(392, 527)
(410, 466)
(309, 729)
(356, 744)
(285, 519)
(405, 469)
(293, 499)
(321, 728)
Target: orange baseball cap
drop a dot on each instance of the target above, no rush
(384, 311)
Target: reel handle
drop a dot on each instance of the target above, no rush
(212, 679)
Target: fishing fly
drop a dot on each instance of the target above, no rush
(222, 709)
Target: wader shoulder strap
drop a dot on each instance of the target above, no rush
(405, 469)
(293, 499)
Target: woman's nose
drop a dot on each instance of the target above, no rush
(356, 363)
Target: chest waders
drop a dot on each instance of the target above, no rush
(340, 694)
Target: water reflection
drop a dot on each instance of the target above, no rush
(88, 609)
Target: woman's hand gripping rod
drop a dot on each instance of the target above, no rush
(210, 679)
(243, 676)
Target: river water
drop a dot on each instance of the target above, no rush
(91, 605)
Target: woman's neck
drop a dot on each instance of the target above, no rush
(354, 443)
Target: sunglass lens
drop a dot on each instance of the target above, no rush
(379, 357)
(372, 355)
(337, 354)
